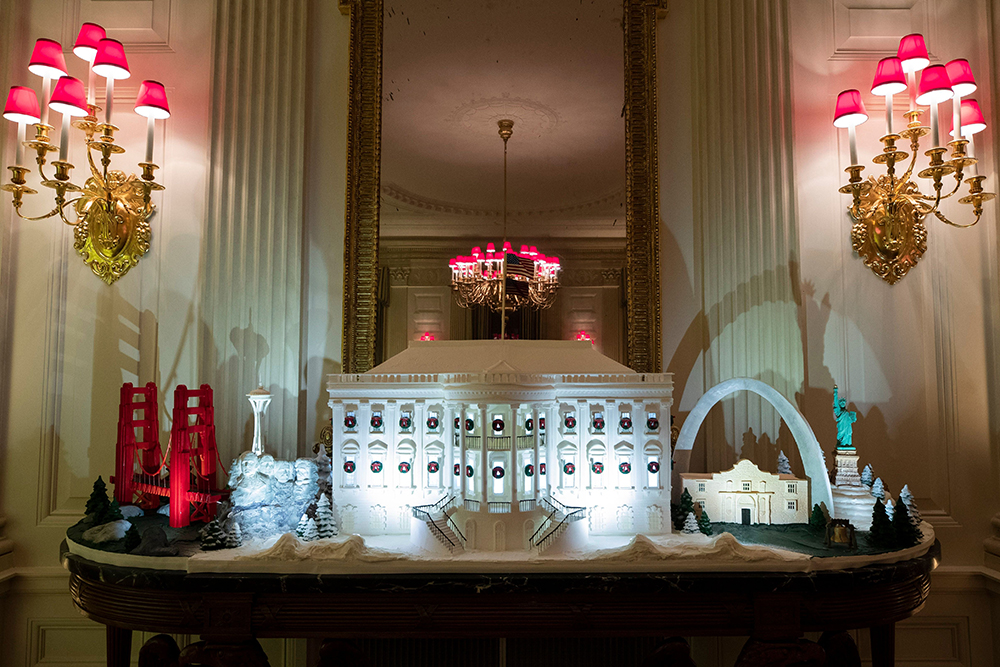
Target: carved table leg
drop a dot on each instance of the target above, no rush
(674, 652)
(119, 642)
(341, 653)
(217, 654)
(159, 651)
(841, 651)
(884, 645)
(800, 653)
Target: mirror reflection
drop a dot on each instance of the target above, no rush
(451, 71)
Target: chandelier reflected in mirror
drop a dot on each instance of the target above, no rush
(505, 280)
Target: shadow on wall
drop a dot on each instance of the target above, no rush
(813, 397)
(234, 377)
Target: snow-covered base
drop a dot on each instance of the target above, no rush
(854, 503)
(353, 554)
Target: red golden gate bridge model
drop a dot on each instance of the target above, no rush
(190, 459)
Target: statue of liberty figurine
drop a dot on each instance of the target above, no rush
(844, 418)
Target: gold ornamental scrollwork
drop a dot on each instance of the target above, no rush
(890, 236)
(364, 142)
(112, 232)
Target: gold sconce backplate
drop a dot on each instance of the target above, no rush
(890, 235)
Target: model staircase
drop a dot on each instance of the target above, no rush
(440, 524)
(559, 518)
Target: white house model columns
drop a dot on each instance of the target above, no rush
(507, 501)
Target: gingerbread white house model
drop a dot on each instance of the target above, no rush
(746, 494)
(501, 445)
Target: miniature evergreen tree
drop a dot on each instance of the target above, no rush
(310, 532)
(676, 517)
(890, 508)
(132, 538)
(907, 534)
(111, 513)
(300, 529)
(704, 523)
(213, 536)
(881, 534)
(690, 525)
(98, 502)
(325, 524)
(234, 537)
(817, 520)
(906, 496)
(867, 477)
(878, 489)
(687, 504)
(784, 467)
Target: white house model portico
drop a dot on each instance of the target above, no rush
(501, 445)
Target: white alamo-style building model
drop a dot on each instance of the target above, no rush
(501, 445)
(748, 495)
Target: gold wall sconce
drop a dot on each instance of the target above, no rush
(888, 232)
(112, 208)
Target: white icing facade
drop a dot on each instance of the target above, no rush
(746, 494)
(507, 408)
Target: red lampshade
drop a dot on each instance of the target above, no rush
(87, 40)
(22, 105)
(913, 52)
(972, 118)
(934, 86)
(850, 109)
(47, 59)
(152, 100)
(110, 61)
(960, 73)
(889, 77)
(69, 97)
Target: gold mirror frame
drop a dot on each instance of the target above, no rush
(642, 186)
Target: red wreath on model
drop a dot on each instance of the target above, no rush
(404, 467)
(432, 423)
(457, 421)
(625, 423)
(404, 422)
(348, 466)
(570, 421)
(541, 423)
(598, 423)
(569, 468)
(624, 467)
(458, 469)
(497, 424)
(653, 423)
(469, 424)
(529, 470)
(350, 421)
(433, 466)
(376, 421)
(469, 472)
(529, 424)
(597, 467)
(376, 466)
(653, 466)
(497, 472)
(541, 468)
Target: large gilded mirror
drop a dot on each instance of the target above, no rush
(429, 81)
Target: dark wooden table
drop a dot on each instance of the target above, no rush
(233, 609)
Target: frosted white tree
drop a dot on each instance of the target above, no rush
(878, 489)
(867, 476)
(325, 524)
(234, 537)
(300, 529)
(906, 496)
(690, 524)
(784, 467)
(309, 531)
(890, 508)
